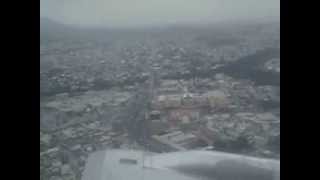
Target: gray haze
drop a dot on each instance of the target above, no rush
(132, 13)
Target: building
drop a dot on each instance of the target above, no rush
(177, 140)
(217, 99)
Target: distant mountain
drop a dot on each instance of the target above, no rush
(52, 30)
(47, 24)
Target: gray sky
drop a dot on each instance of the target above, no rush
(130, 13)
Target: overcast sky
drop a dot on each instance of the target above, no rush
(131, 13)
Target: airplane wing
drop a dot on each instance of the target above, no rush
(187, 165)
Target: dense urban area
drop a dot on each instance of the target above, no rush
(157, 90)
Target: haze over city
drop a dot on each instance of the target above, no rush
(160, 89)
(137, 13)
